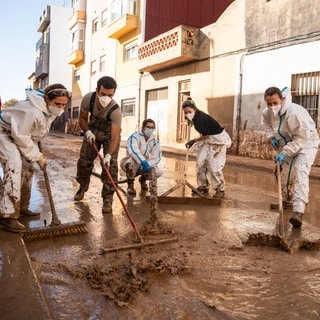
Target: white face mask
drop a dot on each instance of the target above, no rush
(275, 109)
(148, 132)
(190, 115)
(55, 110)
(104, 101)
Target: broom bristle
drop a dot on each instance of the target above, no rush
(55, 231)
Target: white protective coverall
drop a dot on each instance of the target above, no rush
(21, 127)
(211, 159)
(298, 137)
(138, 149)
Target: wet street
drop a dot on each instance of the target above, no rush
(225, 264)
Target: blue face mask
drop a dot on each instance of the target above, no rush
(148, 132)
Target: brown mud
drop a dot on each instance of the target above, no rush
(226, 264)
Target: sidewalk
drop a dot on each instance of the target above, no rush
(21, 296)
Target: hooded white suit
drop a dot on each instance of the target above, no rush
(298, 137)
(21, 127)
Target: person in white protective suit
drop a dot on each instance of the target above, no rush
(292, 132)
(22, 126)
(143, 153)
(211, 148)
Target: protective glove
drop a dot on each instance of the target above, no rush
(107, 159)
(145, 166)
(90, 137)
(42, 162)
(190, 143)
(275, 143)
(280, 157)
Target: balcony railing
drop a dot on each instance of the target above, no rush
(122, 26)
(42, 63)
(175, 47)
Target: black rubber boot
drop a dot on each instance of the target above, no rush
(296, 219)
(143, 183)
(131, 190)
(79, 195)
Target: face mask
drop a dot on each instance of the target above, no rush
(148, 132)
(104, 101)
(190, 116)
(55, 110)
(275, 109)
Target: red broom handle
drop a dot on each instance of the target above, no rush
(118, 193)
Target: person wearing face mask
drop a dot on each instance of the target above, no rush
(22, 126)
(211, 148)
(100, 119)
(293, 134)
(143, 153)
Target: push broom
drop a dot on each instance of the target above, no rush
(141, 243)
(56, 228)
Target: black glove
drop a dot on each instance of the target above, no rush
(190, 143)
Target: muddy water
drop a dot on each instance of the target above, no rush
(208, 274)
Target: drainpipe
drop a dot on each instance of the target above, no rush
(139, 98)
(239, 105)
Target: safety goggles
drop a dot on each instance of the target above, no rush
(60, 93)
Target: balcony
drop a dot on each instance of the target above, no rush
(44, 20)
(75, 57)
(122, 26)
(42, 63)
(178, 46)
(78, 16)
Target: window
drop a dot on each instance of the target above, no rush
(121, 7)
(130, 51)
(94, 25)
(75, 112)
(305, 90)
(77, 75)
(93, 67)
(128, 107)
(102, 65)
(104, 18)
(77, 40)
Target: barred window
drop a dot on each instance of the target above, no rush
(305, 90)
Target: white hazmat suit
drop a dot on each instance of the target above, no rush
(295, 130)
(21, 128)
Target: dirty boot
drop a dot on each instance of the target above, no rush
(143, 183)
(29, 213)
(285, 204)
(12, 225)
(202, 190)
(107, 205)
(296, 219)
(79, 195)
(131, 190)
(219, 194)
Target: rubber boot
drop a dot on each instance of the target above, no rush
(29, 213)
(143, 183)
(79, 195)
(12, 225)
(131, 190)
(296, 219)
(107, 204)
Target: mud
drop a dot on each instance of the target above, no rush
(226, 264)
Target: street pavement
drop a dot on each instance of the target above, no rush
(19, 286)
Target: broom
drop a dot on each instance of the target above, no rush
(56, 228)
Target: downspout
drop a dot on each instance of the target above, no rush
(139, 98)
(239, 105)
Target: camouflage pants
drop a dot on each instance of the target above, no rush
(85, 166)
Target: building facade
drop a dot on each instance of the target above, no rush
(51, 52)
